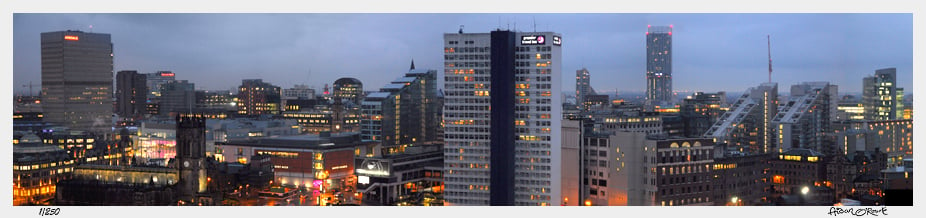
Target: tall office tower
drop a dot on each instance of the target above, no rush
(191, 154)
(747, 125)
(805, 120)
(502, 118)
(406, 112)
(583, 87)
(77, 79)
(349, 89)
(177, 96)
(879, 96)
(131, 94)
(154, 83)
(699, 112)
(659, 66)
(256, 97)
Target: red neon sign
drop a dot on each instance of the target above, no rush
(167, 74)
(72, 38)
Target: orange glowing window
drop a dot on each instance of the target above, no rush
(72, 38)
(778, 179)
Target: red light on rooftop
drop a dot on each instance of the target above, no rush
(647, 33)
(670, 25)
(648, 26)
(72, 38)
(670, 33)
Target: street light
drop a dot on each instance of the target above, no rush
(734, 200)
(805, 190)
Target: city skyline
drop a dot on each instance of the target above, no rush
(802, 46)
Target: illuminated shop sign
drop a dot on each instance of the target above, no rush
(533, 40)
(370, 167)
(167, 74)
(557, 40)
(72, 38)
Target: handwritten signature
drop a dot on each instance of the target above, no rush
(49, 211)
(835, 211)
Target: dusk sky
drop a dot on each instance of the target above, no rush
(712, 52)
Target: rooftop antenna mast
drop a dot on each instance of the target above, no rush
(769, 37)
(535, 24)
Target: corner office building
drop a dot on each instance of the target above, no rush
(502, 118)
(77, 79)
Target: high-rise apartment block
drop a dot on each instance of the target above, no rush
(747, 125)
(502, 117)
(659, 66)
(881, 97)
(805, 119)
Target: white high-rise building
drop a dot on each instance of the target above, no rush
(502, 142)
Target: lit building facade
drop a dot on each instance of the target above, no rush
(509, 154)
(652, 170)
(319, 162)
(157, 139)
(324, 118)
(349, 89)
(805, 119)
(244, 128)
(880, 96)
(37, 167)
(413, 177)
(795, 169)
(850, 111)
(741, 179)
(216, 100)
(747, 125)
(626, 120)
(659, 66)
(892, 137)
(77, 79)
(293, 97)
(256, 97)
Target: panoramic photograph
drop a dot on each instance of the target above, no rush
(462, 109)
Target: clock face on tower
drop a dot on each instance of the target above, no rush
(186, 163)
